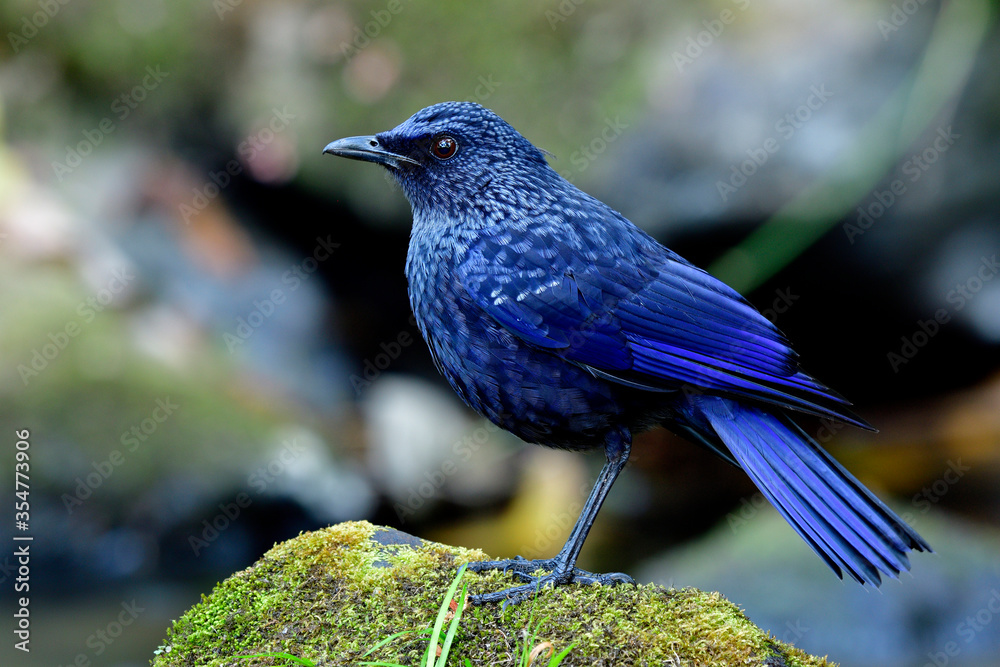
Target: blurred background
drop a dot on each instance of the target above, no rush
(204, 323)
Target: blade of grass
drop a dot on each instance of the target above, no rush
(396, 635)
(557, 659)
(453, 626)
(530, 634)
(439, 622)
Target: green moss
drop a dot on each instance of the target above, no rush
(330, 595)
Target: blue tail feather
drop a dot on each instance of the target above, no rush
(843, 522)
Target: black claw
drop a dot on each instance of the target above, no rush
(610, 579)
(518, 564)
(521, 569)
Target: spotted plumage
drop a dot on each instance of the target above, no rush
(559, 320)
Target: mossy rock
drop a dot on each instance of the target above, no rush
(330, 595)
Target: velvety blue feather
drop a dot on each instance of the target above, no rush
(840, 519)
(739, 352)
(559, 320)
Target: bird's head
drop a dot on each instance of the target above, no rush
(449, 155)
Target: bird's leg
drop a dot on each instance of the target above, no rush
(562, 569)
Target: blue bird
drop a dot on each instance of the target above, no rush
(559, 320)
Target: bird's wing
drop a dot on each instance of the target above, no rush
(649, 320)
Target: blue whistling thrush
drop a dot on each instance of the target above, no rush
(562, 322)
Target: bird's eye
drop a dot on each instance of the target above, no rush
(444, 147)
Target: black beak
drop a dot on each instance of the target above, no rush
(367, 149)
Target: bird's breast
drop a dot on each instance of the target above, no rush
(533, 393)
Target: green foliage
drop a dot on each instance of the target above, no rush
(336, 596)
(286, 656)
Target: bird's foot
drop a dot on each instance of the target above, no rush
(516, 565)
(521, 568)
